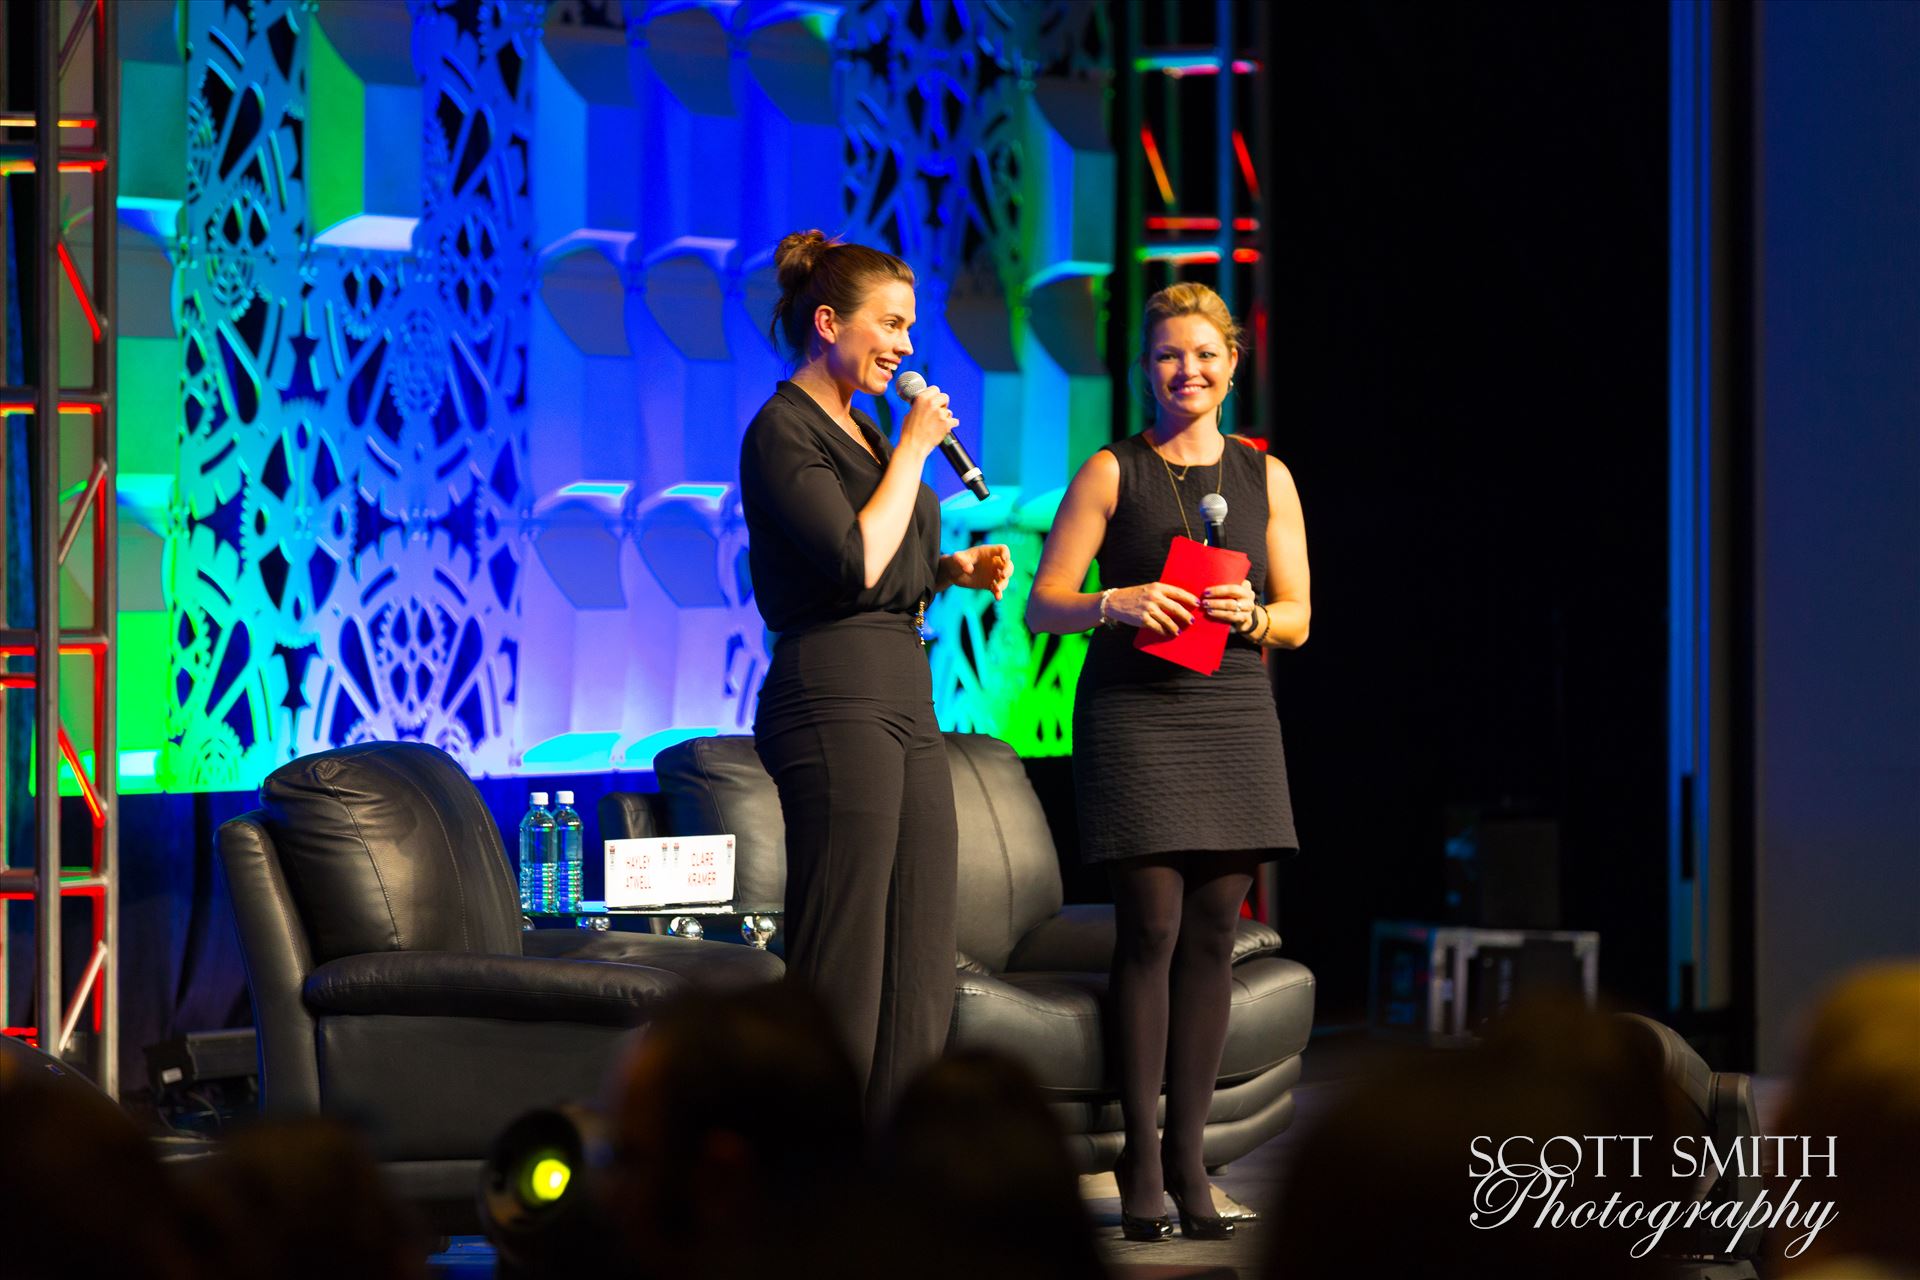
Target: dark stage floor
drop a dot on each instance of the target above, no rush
(1255, 1181)
(1335, 1059)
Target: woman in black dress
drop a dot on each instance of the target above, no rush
(844, 551)
(1179, 777)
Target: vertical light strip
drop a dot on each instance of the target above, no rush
(1224, 174)
(50, 995)
(106, 598)
(1688, 385)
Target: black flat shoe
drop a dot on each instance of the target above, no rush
(1195, 1227)
(1146, 1229)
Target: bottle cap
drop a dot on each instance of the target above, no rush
(540, 798)
(566, 797)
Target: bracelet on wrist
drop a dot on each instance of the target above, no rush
(1105, 621)
(1266, 620)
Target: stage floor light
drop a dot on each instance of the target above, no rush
(539, 1202)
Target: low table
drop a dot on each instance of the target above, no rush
(757, 925)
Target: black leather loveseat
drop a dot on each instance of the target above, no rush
(1032, 974)
(392, 986)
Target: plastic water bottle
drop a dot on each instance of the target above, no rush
(539, 858)
(572, 838)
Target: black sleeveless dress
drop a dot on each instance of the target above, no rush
(1166, 760)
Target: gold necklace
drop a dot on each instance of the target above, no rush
(1218, 467)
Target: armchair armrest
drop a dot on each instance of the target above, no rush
(463, 985)
(1254, 939)
(966, 964)
(1080, 940)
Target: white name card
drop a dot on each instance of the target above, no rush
(671, 871)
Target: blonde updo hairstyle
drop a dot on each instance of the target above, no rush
(1188, 299)
(816, 272)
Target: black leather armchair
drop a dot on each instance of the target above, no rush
(391, 982)
(1031, 979)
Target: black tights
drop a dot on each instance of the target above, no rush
(1171, 990)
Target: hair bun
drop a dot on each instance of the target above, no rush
(811, 277)
(796, 257)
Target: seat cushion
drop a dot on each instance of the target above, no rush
(1080, 938)
(1055, 1022)
(710, 966)
(1052, 1023)
(386, 846)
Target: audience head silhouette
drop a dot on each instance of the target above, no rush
(1858, 1085)
(737, 1132)
(82, 1194)
(1383, 1181)
(975, 1160)
(300, 1199)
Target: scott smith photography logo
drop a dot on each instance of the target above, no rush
(1523, 1181)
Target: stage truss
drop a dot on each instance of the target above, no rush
(70, 134)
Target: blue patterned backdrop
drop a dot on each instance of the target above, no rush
(345, 559)
(470, 303)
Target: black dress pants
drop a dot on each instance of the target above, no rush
(846, 729)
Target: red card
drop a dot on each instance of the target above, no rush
(1195, 566)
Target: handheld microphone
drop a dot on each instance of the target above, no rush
(1213, 509)
(911, 384)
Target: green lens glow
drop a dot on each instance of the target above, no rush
(547, 1180)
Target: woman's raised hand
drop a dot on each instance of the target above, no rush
(1231, 603)
(1157, 607)
(928, 422)
(984, 568)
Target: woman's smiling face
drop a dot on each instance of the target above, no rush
(1190, 365)
(869, 345)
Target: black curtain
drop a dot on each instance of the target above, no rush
(1470, 352)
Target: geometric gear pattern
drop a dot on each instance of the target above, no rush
(344, 561)
(990, 674)
(931, 122)
(237, 285)
(933, 98)
(933, 103)
(355, 516)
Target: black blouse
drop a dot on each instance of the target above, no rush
(802, 484)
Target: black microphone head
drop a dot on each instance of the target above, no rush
(909, 384)
(1213, 509)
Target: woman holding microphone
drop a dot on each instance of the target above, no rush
(1179, 778)
(844, 551)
